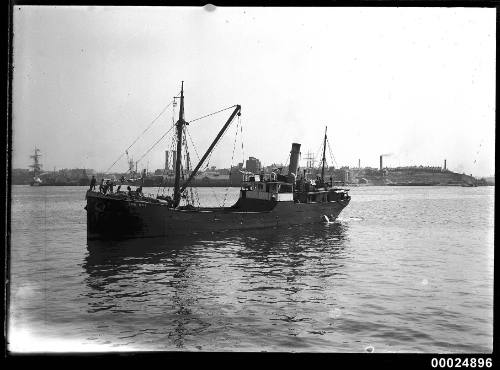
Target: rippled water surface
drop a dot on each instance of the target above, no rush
(404, 269)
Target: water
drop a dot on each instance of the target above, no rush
(404, 269)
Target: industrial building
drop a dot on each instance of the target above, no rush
(253, 165)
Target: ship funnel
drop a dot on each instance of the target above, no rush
(294, 159)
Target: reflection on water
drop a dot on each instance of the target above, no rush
(107, 258)
(178, 276)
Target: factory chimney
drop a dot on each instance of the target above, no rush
(445, 164)
(359, 163)
(294, 159)
(380, 163)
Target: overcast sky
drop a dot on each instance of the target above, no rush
(418, 83)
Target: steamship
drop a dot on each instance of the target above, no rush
(268, 200)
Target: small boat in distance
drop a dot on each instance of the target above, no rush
(265, 200)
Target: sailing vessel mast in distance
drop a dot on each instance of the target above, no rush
(37, 168)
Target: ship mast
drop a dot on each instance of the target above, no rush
(324, 149)
(178, 189)
(180, 126)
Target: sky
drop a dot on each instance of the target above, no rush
(417, 84)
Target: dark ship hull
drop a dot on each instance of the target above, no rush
(111, 217)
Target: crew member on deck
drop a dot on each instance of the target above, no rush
(110, 186)
(101, 186)
(105, 187)
(92, 183)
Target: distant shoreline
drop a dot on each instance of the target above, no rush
(238, 186)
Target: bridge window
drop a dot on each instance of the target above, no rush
(285, 188)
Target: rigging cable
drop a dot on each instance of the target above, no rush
(172, 149)
(318, 155)
(331, 152)
(216, 145)
(186, 158)
(196, 119)
(232, 158)
(157, 141)
(242, 149)
(167, 183)
(211, 114)
(286, 162)
(147, 128)
(188, 170)
(192, 143)
(187, 134)
(197, 156)
(213, 150)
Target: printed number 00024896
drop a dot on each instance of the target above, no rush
(471, 362)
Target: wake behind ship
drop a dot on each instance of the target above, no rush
(268, 200)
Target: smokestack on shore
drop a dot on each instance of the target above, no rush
(380, 163)
(294, 159)
(445, 164)
(166, 160)
(359, 163)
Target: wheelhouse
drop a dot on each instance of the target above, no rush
(263, 187)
